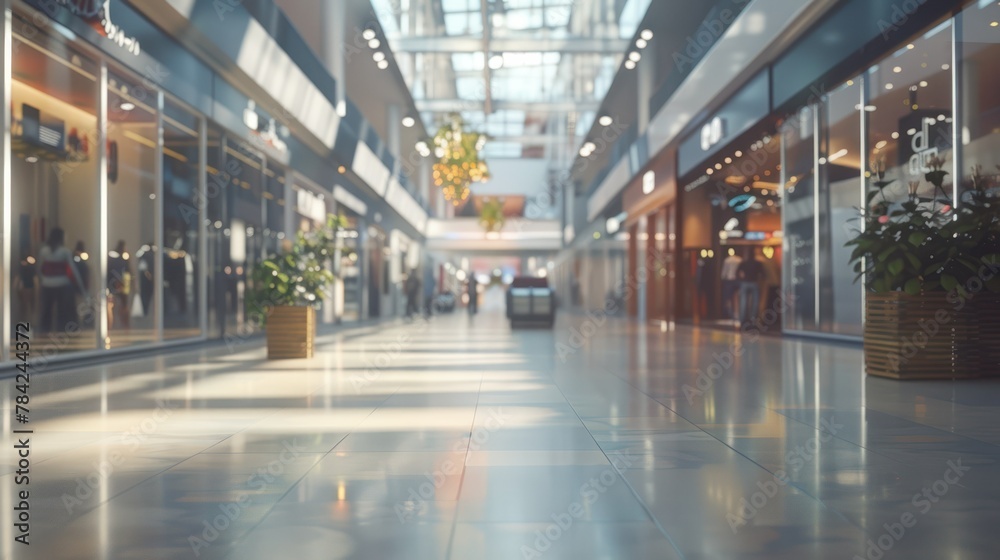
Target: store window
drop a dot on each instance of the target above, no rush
(910, 115)
(132, 251)
(55, 202)
(181, 222)
(798, 163)
(217, 187)
(979, 92)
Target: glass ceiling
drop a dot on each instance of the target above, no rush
(548, 65)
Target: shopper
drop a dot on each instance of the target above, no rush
(730, 283)
(119, 286)
(750, 273)
(60, 281)
(473, 294)
(412, 288)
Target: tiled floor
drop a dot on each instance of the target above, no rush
(460, 439)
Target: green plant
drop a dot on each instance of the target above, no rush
(301, 274)
(928, 244)
(491, 215)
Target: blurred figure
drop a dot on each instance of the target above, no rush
(412, 289)
(80, 258)
(26, 285)
(429, 288)
(750, 274)
(730, 284)
(60, 282)
(473, 294)
(119, 286)
(146, 276)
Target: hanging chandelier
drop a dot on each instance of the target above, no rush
(458, 163)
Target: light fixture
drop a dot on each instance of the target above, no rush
(895, 135)
(341, 170)
(729, 160)
(409, 121)
(634, 56)
(839, 154)
(945, 66)
(710, 171)
(496, 62)
(590, 147)
(911, 132)
(646, 34)
(368, 34)
(923, 83)
(641, 43)
(378, 56)
(605, 120)
(382, 64)
(374, 43)
(910, 46)
(738, 153)
(629, 65)
(888, 86)
(994, 23)
(897, 69)
(881, 144)
(127, 106)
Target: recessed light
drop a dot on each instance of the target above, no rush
(127, 106)
(738, 153)
(646, 34)
(629, 65)
(374, 43)
(341, 169)
(605, 120)
(409, 121)
(496, 62)
(383, 64)
(378, 56)
(910, 46)
(31, 159)
(634, 56)
(641, 43)
(895, 135)
(897, 69)
(923, 83)
(994, 23)
(945, 66)
(888, 86)
(368, 34)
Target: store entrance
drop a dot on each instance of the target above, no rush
(733, 249)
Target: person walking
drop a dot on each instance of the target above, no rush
(730, 284)
(473, 294)
(60, 282)
(119, 288)
(412, 289)
(750, 273)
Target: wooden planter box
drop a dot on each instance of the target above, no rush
(927, 337)
(291, 332)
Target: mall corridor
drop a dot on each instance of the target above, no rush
(459, 438)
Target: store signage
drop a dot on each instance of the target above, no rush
(648, 182)
(712, 133)
(922, 149)
(97, 13)
(310, 205)
(742, 203)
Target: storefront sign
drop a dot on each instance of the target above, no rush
(648, 182)
(923, 151)
(712, 133)
(97, 14)
(310, 206)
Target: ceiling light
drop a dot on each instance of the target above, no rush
(911, 132)
(378, 56)
(382, 64)
(994, 23)
(641, 43)
(590, 146)
(127, 106)
(634, 56)
(629, 65)
(738, 153)
(897, 69)
(496, 62)
(709, 171)
(31, 159)
(923, 83)
(888, 86)
(408, 121)
(881, 144)
(945, 66)
(910, 46)
(895, 135)
(837, 155)
(374, 43)
(605, 120)
(646, 34)
(729, 160)
(341, 169)
(368, 34)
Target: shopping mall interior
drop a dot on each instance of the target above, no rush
(500, 279)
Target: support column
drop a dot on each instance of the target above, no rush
(334, 19)
(644, 89)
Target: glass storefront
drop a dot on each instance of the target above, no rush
(149, 235)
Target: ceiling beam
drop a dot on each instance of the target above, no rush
(427, 44)
(457, 105)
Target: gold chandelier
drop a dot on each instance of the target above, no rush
(458, 162)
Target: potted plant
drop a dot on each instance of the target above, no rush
(932, 271)
(287, 288)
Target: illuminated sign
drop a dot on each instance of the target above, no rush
(648, 182)
(97, 13)
(922, 149)
(712, 133)
(743, 202)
